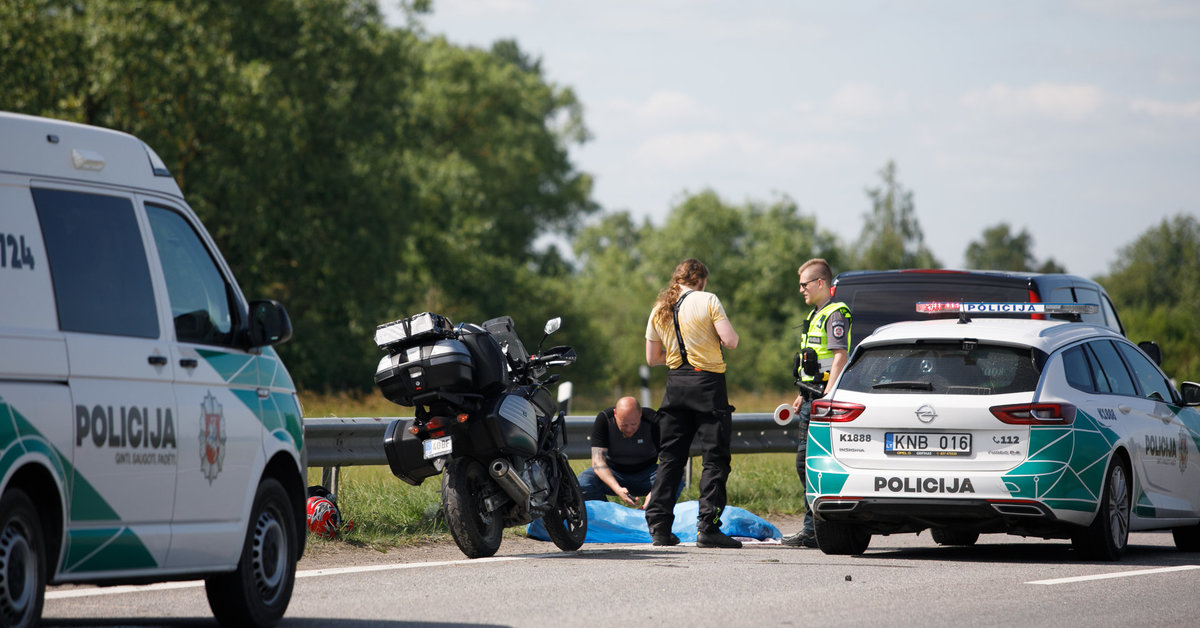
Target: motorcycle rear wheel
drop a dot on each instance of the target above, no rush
(566, 524)
(464, 485)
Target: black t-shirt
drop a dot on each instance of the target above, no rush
(627, 455)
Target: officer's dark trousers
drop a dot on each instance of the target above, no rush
(695, 404)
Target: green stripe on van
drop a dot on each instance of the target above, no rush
(106, 549)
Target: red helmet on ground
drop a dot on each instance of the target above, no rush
(323, 518)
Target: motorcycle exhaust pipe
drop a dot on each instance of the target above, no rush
(510, 481)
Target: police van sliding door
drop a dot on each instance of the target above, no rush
(216, 386)
(122, 480)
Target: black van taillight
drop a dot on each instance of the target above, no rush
(835, 411)
(1035, 413)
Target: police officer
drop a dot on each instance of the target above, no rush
(827, 332)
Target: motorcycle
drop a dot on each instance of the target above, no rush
(486, 420)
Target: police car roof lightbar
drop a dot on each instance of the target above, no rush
(956, 307)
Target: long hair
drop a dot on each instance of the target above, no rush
(689, 272)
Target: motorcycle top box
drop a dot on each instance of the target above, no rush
(443, 365)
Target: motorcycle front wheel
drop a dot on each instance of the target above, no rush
(566, 524)
(465, 483)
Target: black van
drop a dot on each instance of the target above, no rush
(879, 297)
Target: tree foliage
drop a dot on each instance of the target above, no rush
(1155, 284)
(1001, 249)
(891, 235)
(356, 172)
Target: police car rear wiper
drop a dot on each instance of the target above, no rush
(907, 385)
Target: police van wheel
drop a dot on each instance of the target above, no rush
(950, 536)
(840, 538)
(258, 592)
(566, 523)
(465, 485)
(22, 561)
(1108, 535)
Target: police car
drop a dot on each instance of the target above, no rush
(148, 430)
(1039, 428)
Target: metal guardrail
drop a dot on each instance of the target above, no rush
(358, 441)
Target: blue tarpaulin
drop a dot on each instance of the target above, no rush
(610, 522)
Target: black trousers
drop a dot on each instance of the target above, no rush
(696, 403)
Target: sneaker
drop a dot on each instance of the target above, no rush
(666, 539)
(800, 539)
(716, 538)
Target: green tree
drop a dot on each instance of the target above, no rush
(1155, 284)
(1000, 249)
(891, 235)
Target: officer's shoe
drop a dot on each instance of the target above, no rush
(664, 538)
(800, 539)
(716, 538)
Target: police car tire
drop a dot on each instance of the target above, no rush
(1108, 535)
(950, 536)
(258, 592)
(465, 483)
(566, 524)
(841, 538)
(23, 559)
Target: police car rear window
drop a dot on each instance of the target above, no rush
(942, 369)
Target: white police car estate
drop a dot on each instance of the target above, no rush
(1040, 428)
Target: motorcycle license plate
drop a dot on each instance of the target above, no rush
(435, 447)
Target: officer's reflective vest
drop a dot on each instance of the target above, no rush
(816, 338)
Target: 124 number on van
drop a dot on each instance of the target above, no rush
(14, 253)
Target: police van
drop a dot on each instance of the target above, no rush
(148, 430)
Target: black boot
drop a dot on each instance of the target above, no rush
(664, 537)
(714, 537)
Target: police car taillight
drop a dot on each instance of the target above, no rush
(1035, 413)
(835, 411)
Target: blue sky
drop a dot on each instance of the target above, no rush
(1079, 121)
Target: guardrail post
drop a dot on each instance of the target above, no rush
(329, 479)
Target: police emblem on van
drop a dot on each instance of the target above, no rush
(212, 437)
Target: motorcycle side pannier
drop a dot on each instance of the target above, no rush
(443, 365)
(406, 455)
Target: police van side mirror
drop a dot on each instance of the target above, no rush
(1191, 393)
(269, 324)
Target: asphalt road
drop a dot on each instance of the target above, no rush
(903, 579)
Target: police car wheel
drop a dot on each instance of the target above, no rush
(840, 538)
(1108, 535)
(258, 592)
(566, 523)
(950, 536)
(22, 561)
(465, 486)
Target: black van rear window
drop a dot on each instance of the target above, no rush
(942, 369)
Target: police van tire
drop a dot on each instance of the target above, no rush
(950, 536)
(566, 523)
(1108, 535)
(465, 484)
(258, 592)
(841, 538)
(22, 561)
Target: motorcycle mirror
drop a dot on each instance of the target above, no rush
(552, 325)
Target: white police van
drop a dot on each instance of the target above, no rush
(148, 431)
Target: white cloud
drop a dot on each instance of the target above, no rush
(669, 107)
(687, 150)
(1052, 100)
(1163, 109)
(482, 8)
(857, 100)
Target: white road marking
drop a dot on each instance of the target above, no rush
(309, 573)
(1119, 574)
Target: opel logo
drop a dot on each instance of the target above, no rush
(926, 413)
